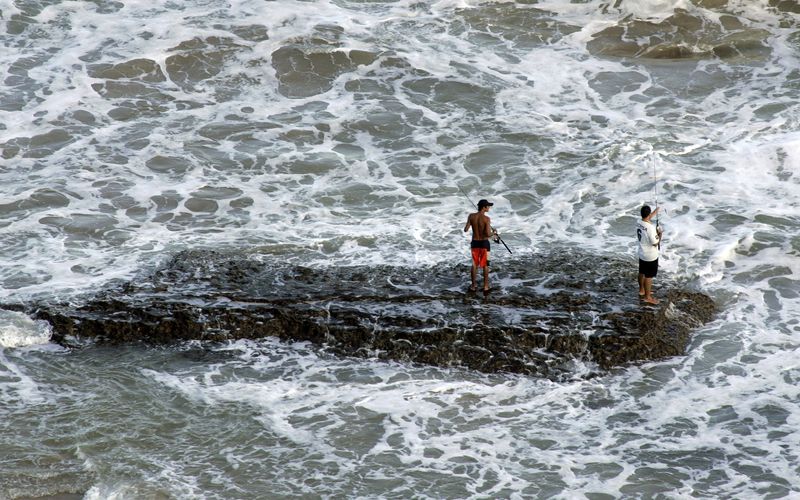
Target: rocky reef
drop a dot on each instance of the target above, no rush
(545, 313)
(683, 35)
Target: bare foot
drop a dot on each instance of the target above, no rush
(651, 300)
(473, 288)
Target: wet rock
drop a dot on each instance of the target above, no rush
(145, 70)
(790, 6)
(304, 71)
(308, 66)
(199, 59)
(681, 36)
(518, 23)
(548, 312)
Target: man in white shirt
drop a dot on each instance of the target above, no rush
(649, 243)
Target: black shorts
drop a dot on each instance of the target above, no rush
(649, 269)
(480, 244)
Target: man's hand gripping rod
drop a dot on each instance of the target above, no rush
(493, 229)
(655, 193)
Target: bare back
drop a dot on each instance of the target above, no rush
(480, 224)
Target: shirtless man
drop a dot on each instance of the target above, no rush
(482, 231)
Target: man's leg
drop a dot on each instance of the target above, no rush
(648, 291)
(642, 292)
(486, 273)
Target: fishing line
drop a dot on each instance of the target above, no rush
(655, 186)
(467, 197)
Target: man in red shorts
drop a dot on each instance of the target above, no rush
(482, 231)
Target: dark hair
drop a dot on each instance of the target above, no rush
(645, 211)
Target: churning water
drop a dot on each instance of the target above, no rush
(337, 132)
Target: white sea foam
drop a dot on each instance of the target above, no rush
(16, 386)
(483, 428)
(19, 330)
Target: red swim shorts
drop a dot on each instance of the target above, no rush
(480, 257)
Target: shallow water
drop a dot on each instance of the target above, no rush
(339, 132)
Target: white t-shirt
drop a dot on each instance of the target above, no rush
(648, 241)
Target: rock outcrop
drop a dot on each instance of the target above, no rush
(683, 35)
(548, 311)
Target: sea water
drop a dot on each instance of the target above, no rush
(341, 132)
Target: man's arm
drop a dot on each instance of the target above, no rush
(654, 236)
(469, 223)
(487, 228)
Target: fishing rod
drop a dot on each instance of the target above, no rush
(493, 229)
(655, 194)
